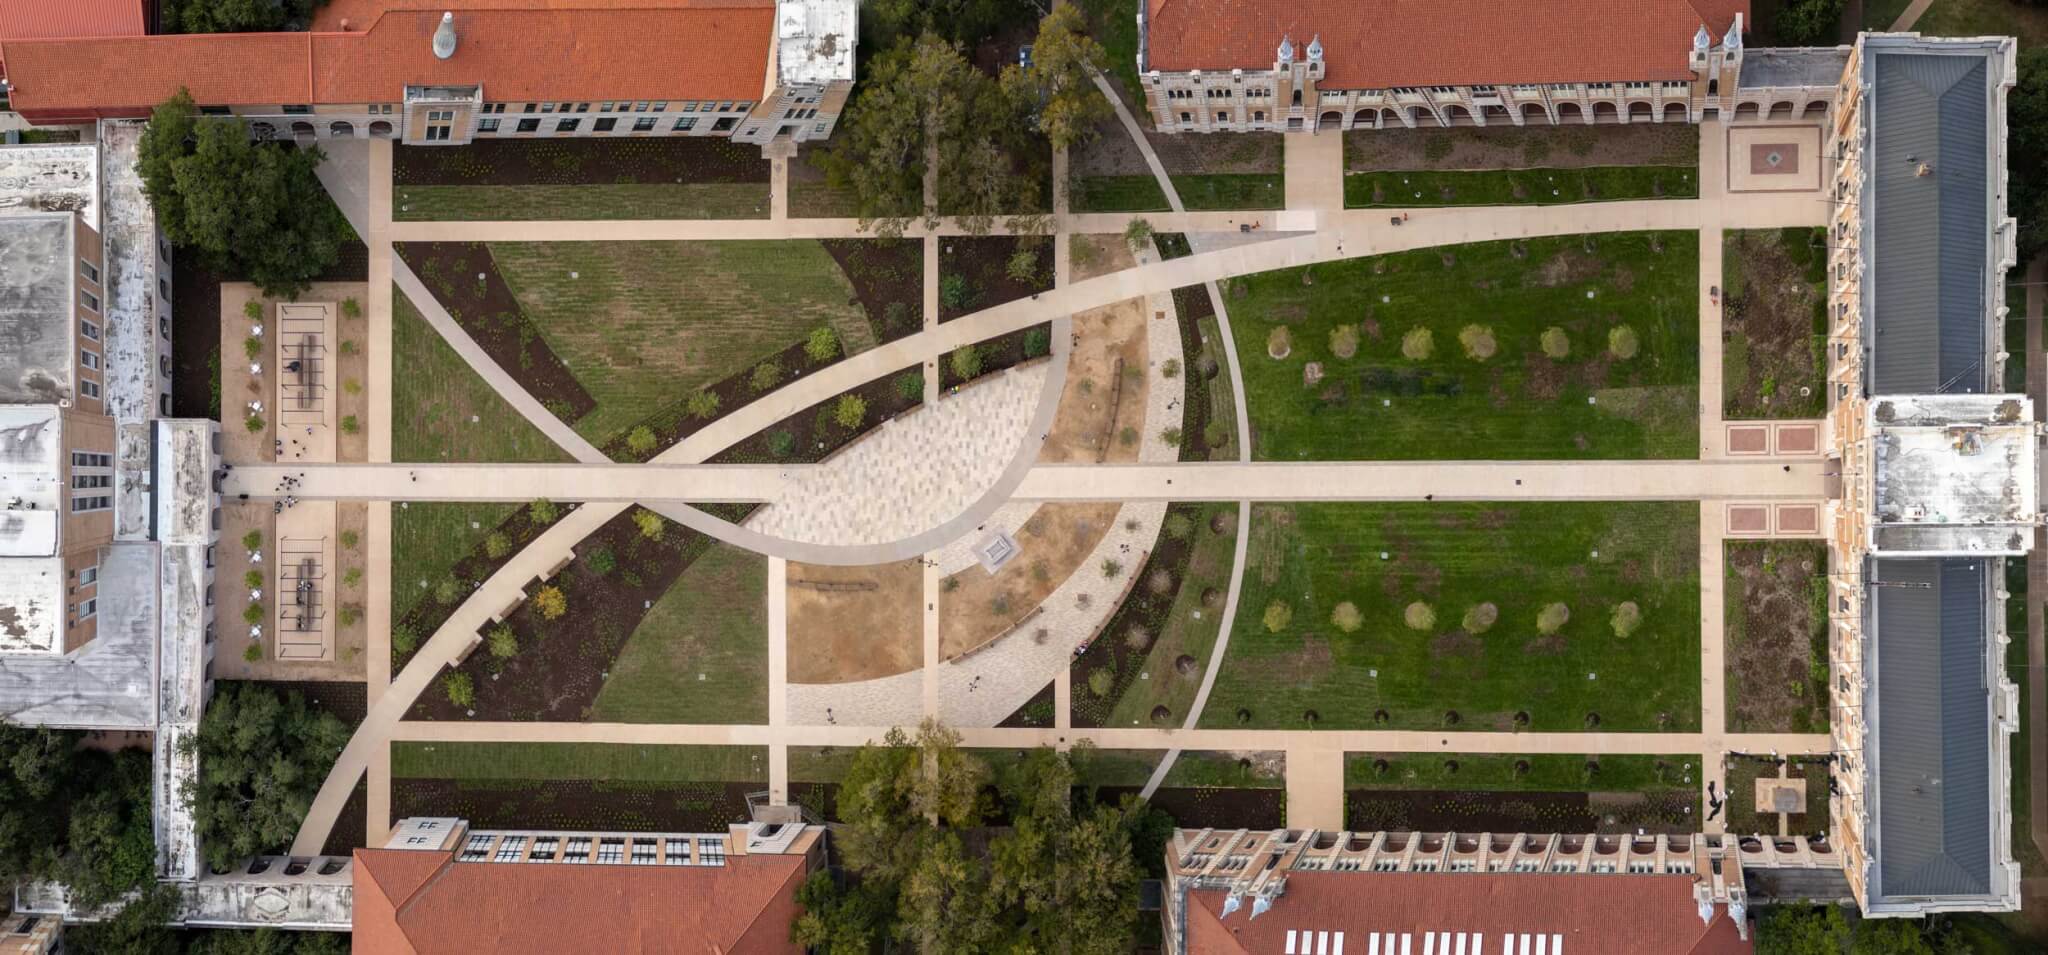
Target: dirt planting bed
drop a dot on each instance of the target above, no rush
(1774, 323)
(675, 422)
(1777, 636)
(1036, 713)
(560, 665)
(976, 271)
(1143, 608)
(574, 161)
(1211, 807)
(888, 278)
(976, 607)
(999, 354)
(465, 279)
(1435, 810)
(855, 623)
(565, 804)
(427, 614)
(1522, 147)
(811, 435)
(349, 832)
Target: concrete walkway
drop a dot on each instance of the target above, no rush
(1910, 16)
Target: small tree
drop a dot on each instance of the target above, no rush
(850, 411)
(349, 614)
(497, 545)
(460, 688)
(447, 592)
(349, 539)
(1111, 568)
(252, 541)
(1622, 342)
(1346, 617)
(404, 639)
(253, 309)
(910, 386)
(1626, 618)
(252, 347)
(1419, 616)
(350, 308)
(255, 423)
(504, 644)
(353, 577)
(651, 525)
(822, 344)
(253, 579)
(1171, 437)
(1169, 369)
(1344, 341)
(1101, 682)
(1556, 344)
(701, 405)
(349, 425)
(1022, 267)
(543, 511)
(1037, 342)
(780, 443)
(766, 375)
(640, 440)
(253, 652)
(1178, 526)
(1552, 618)
(966, 362)
(1138, 234)
(551, 602)
(1278, 615)
(253, 613)
(954, 291)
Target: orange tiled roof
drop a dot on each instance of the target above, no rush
(1377, 44)
(50, 19)
(707, 52)
(414, 902)
(1618, 914)
(359, 14)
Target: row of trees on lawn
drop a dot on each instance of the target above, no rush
(928, 874)
(921, 107)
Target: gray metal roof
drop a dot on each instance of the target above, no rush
(1930, 738)
(1927, 213)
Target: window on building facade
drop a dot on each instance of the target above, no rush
(88, 389)
(567, 125)
(724, 123)
(510, 849)
(1223, 117)
(1599, 86)
(87, 609)
(1638, 85)
(528, 125)
(611, 850)
(86, 482)
(88, 359)
(1259, 117)
(605, 124)
(643, 124)
(475, 849)
(89, 330)
(1484, 89)
(725, 107)
(89, 270)
(87, 576)
(661, 107)
(1443, 89)
(583, 107)
(214, 111)
(487, 125)
(577, 849)
(685, 123)
(529, 108)
(640, 106)
(297, 109)
(1187, 118)
(89, 300)
(84, 505)
(91, 459)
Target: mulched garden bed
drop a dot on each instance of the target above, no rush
(1199, 366)
(486, 308)
(427, 613)
(1172, 245)
(1743, 817)
(1432, 810)
(1142, 607)
(1209, 807)
(349, 825)
(811, 435)
(1036, 713)
(562, 664)
(1000, 353)
(674, 423)
(983, 263)
(579, 161)
(576, 804)
(888, 279)
(1777, 649)
(1778, 313)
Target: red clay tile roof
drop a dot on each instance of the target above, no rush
(744, 907)
(53, 19)
(1377, 44)
(1595, 914)
(361, 13)
(707, 53)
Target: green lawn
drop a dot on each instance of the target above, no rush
(1742, 816)
(643, 324)
(701, 200)
(1966, 18)
(1546, 772)
(2023, 849)
(435, 396)
(1133, 767)
(701, 655)
(428, 538)
(1415, 188)
(1774, 287)
(596, 761)
(1188, 629)
(1114, 24)
(1412, 650)
(1211, 191)
(1415, 390)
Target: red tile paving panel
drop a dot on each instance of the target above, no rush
(1798, 519)
(1377, 44)
(1619, 914)
(744, 906)
(710, 53)
(1749, 439)
(1749, 519)
(1798, 439)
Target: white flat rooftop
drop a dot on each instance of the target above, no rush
(814, 40)
(1954, 474)
(57, 178)
(109, 683)
(31, 479)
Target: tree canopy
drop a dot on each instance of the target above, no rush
(79, 816)
(1060, 81)
(236, 16)
(930, 874)
(251, 209)
(2027, 151)
(262, 757)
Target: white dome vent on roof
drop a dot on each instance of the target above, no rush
(444, 37)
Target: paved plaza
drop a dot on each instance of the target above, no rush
(932, 485)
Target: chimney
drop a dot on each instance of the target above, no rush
(444, 37)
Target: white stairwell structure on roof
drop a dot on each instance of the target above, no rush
(811, 72)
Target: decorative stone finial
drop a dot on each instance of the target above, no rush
(1702, 40)
(1286, 49)
(444, 37)
(1315, 48)
(1733, 39)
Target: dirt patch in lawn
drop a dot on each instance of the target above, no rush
(675, 422)
(976, 270)
(888, 279)
(1094, 255)
(976, 606)
(1523, 147)
(428, 611)
(812, 435)
(848, 624)
(1101, 415)
(1777, 626)
(1145, 608)
(576, 804)
(1432, 810)
(618, 574)
(1773, 323)
(464, 278)
(573, 162)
